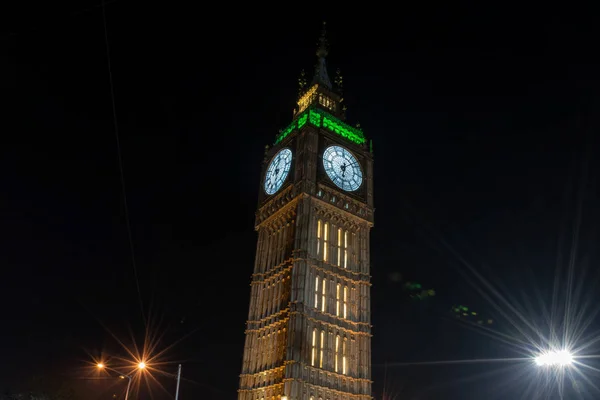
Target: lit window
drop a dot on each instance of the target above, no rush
(344, 356)
(323, 294)
(318, 237)
(337, 300)
(339, 247)
(345, 301)
(317, 292)
(325, 241)
(346, 249)
(314, 348)
(322, 346)
(337, 351)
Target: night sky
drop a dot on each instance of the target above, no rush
(484, 126)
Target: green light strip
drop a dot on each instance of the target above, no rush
(320, 118)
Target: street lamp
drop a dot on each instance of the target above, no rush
(554, 358)
(141, 365)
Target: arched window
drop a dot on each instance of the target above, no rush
(317, 292)
(323, 294)
(337, 352)
(339, 246)
(346, 249)
(322, 347)
(345, 301)
(337, 300)
(344, 348)
(319, 236)
(325, 240)
(314, 348)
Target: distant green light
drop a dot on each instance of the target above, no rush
(320, 118)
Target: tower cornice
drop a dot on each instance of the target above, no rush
(320, 118)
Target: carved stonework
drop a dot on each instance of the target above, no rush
(275, 204)
(346, 203)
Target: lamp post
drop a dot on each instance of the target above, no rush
(140, 365)
(178, 380)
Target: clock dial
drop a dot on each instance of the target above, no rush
(277, 171)
(342, 168)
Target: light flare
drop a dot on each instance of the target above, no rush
(554, 358)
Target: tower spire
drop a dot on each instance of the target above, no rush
(321, 75)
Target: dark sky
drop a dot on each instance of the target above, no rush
(484, 125)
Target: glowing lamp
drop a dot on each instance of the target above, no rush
(553, 358)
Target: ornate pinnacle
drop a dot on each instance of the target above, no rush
(339, 82)
(302, 83)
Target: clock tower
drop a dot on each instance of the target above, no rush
(308, 334)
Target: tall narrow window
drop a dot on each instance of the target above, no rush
(322, 346)
(318, 237)
(317, 292)
(325, 240)
(339, 247)
(345, 301)
(344, 356)
(355, 246)
(323, 294)
(337, 300)
(314, 348)
(337, 352)
(346, 249)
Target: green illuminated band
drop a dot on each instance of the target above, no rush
(320, 118)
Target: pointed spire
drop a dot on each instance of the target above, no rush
(321, 68)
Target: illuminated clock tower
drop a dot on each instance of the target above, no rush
(308, 335)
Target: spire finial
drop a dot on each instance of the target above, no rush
(321, 68)
(322, 49)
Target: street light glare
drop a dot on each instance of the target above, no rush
(100, 365)
(559, 358)
(142, 365)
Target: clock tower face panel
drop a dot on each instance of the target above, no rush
(342, 168)
(277, 171)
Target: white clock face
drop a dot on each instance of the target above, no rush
(278, 170)
(342, 168)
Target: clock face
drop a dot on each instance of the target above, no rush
(342, 168)
(278, 170)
